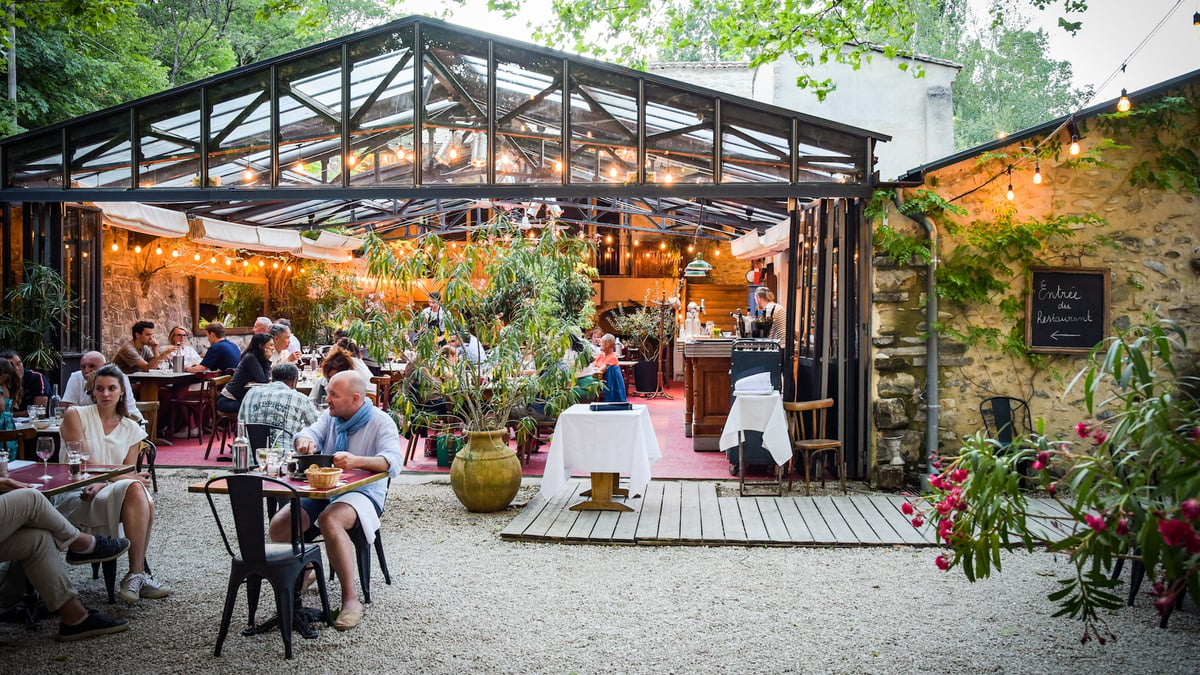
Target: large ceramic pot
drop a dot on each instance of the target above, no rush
(486, 473)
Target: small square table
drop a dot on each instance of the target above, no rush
(758, 412)
(61, 480)
(605, 444)
(351, 480)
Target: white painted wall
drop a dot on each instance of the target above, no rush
(918, 113)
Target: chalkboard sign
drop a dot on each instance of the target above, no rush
(1067, 309)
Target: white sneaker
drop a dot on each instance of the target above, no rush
(153, 589)
(131, 588)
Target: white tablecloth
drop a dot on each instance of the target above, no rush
(759, 413)
(618, 441)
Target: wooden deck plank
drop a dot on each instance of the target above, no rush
(541, 524)
(690, 512)
(606, 524)
(647, 525)
(858, 525)
(926, 531)
(892, 529)
(710, 514)
(798, 531)
(516, 527)
(752, 520)
(1050, 507)
(581, 529)
(819, 530)
(841, 530)
(566, 517)
(668, 516)
(777, 532)
(1056, 529)
(731, 519)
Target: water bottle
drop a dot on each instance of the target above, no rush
(54, 404)
(241, 449)
(618, 348)
(177, 363)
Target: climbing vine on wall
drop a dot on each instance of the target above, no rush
(1175, 166)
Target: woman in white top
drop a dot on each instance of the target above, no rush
(179, 337)
(124, 502)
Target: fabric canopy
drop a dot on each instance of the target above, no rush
(146, 219)
(755, 245)
(225, 235)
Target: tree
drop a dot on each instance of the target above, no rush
(813, 31)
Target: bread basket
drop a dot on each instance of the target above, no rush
(322, 477)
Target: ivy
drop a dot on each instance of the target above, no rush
(1175, 165)
(902, 247)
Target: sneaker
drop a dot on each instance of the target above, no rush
(141, 585)
(95, 624)
(106, 549)
(154, 590)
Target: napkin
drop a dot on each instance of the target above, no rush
(758, 383)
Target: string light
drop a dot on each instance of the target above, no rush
(262, 263)
(248, 175)
(115, 248)
(1123, 104)
(175, 253)
(275, 265)
(1037, 173)
(228, 262)
(1010, 194)
(245, 264)
(1073, 130)
(213, 260)
(157, 250)
(137, 249)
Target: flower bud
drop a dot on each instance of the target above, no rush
(1082, 430)
(943, 564)
(1190, 508)
(906, 509)
(1122, 527)
(918, 521)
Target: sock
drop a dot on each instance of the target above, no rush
(90, 547)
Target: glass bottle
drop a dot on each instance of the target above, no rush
(241, 449)
(55, 403)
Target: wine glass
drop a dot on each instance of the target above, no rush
(45, 450)
(263, 454)
(84, 454)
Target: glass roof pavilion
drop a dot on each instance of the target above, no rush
(417, 117)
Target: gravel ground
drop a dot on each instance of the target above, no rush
(462, 600)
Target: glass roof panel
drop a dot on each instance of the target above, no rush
(603, 126)
(528, 116)
(99, 153)
(755, 146)
(34, 162)
(455, 77)
(310, 120)
(169, 139)
(679, 136)
(239, 130)
(381, 108)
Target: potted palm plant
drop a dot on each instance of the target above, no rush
(520, 297)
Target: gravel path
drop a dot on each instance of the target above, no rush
(464, 601)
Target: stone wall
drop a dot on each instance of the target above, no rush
(1153, 258)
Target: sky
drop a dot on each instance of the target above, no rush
(1112, 29)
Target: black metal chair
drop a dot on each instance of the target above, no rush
(1007, 420)
(362, 555)
(145, 459)
(281, 564)
(266, 435)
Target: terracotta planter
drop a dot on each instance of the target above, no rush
(486, 473)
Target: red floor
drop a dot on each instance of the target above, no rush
(678, 458)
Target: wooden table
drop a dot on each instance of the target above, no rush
(351, 480)
(151, 380)
(605, 444)
(61, 480)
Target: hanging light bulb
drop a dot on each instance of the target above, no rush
(1010, 194)
(1037, 173)
(248, 175)
(115, 248)
(662, 246)
(228, 262)
(262, 263)
(175, 253)
(157, 250)
(196, 257)
(607, 240)
(636, 242)
(351, 160)
(717, 252)
(1073, 130)
(612, 171)
(137, 249)
(691, 248)
(1123, 104)
(289, 268)
(245, 264)
(212, 260)
(275, 265)
(558, 166)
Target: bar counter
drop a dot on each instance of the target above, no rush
(706, 391)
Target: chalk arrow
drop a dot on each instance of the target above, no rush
(1057, 335)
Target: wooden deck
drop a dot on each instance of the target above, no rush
(689, 513)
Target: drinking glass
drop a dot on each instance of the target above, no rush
(262, 454)
(306, 349)
(45, 450)
(272, 463)
(85, 453)
(36, 412)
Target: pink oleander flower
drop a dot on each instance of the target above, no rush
(1180, 533)
(1097, 523)
(906, 509)
(1082, 429)
(944, 507)
(918, 521)
(936, 481)
(1038, 465)
(1100, 437)
(1196, 433)
(942, 563)
(1190, 508)
(1043, 457)
(958, 475)
(1052, 489)
(1122, 527)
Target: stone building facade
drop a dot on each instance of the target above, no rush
(1147, 235)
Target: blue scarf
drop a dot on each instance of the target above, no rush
(345, 428)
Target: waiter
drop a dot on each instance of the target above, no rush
(771, 310)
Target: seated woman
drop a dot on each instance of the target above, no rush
(358, 364)
(337, 360)
(10, 386)
(100, 508)
(255, 366)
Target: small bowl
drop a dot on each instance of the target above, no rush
(323, 478)
(305, 461)
(41, 424)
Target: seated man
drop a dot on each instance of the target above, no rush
(359, 436)
(281, 335)
(278, 403)
(293, 341)
(79, 385)
(221, 355)
(141, 353)
(34, 388)
(32, 533)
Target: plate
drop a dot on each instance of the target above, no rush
(340, 483)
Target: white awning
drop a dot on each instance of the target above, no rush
(219, 233)
(314, 252)
(338, 241)
(755, 245)
(152, 220)
(279, 241)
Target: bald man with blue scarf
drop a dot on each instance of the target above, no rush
(359, 436)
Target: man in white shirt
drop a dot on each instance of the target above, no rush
(79, 383)
(293, 341)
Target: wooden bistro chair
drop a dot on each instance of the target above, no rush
(222, 422)
(193, 408)
(383, 392)
(806, 427)
(23, 437)
(149, 410)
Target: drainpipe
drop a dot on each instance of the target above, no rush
(932, 404)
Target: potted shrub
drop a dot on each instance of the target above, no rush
(650, 328)
(35, 311)
(519, 297)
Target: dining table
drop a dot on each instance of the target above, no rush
(151, 381)
(61, 479)
(762, 412)
(605, 444)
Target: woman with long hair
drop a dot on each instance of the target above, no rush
(255, 366)
(100, 508)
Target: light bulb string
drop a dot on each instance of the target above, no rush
(1032, 152)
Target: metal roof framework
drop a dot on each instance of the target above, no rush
(409, 126)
